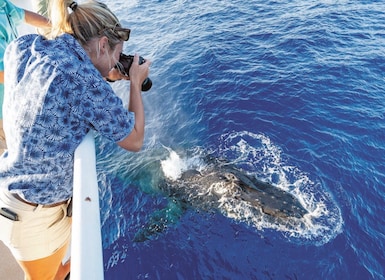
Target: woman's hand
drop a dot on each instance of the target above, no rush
(138, 73)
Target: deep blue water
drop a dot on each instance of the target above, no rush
(291, 91)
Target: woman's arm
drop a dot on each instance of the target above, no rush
(134, 141)
(36, 19)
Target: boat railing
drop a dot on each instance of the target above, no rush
(86, 243)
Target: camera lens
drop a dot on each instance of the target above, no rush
(147, 84)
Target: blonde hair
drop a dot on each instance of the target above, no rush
(84, 21)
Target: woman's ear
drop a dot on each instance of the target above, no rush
(103, 45)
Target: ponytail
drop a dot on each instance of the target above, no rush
(84, 21)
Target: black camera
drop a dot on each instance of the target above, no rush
(124, 64)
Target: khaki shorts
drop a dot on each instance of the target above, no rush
(38, 232)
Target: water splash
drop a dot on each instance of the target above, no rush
(256, 154)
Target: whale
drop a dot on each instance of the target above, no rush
(221, 187)
(230, 182)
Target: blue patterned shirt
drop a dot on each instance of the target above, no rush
(53, 96)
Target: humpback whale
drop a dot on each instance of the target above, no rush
(231, 182)
(216, 185)
(217, 181)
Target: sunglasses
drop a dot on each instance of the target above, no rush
(120, 32)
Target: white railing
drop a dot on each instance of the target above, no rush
(86, 243)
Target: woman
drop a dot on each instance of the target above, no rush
(55, 92)
(10, 17)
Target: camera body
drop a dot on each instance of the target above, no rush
(125, 62)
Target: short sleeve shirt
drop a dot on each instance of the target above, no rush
(10, 17)
(53, 96)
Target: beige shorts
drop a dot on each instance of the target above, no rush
(38, 232)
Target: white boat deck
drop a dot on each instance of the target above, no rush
(9, 269)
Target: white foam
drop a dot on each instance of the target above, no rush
(264, 159)
(173, 166)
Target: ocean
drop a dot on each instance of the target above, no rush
(292, 92)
